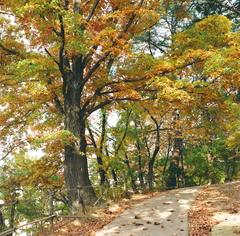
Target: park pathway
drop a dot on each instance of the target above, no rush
(165, 214)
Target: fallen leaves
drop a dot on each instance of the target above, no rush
(102, 216)
(236, 231)
(215, 198)
(138, 217)
(137, 224)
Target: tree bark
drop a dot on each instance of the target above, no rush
(139, 155)
(155, 152)
(101, 170)
(176, 154)
(99, 151)
(76, 165)
(133, 180)
(2, 225)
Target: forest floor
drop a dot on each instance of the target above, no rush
(215, 211)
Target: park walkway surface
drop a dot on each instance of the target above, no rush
(165, 214)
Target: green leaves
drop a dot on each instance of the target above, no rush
(64, 136)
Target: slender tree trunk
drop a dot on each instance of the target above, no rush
(99, 151)
(155, 152)
(101, 170)
(183, 171)
(12, 216)
(151, 165)
(2, 225)
(150, 170)
(167, 156)
(174, 165)
(133, 180)
(114, 175)
(139, 156)
(176, 154)
(140, 171)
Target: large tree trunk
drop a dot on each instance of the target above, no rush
(76, 165)
(76, 173)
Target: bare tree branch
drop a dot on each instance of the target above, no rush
(92, 10)
(231, 8)
(11, 52)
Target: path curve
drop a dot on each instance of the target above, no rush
(165, 214)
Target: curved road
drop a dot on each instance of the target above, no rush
(163, 215)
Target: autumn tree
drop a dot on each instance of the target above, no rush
(202, 91)
(63, 72)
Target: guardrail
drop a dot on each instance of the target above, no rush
(52, 214)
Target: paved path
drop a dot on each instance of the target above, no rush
(162, 215)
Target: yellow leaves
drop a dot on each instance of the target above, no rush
(209, 49)
(233, 140)
(65, 137)
(208, 34)
(215, 25)
(107, 37)
(128, 93)
(161, 82)
(145, 18)
(163, 66)
(192, 55)
(31, 6)
(172, 90)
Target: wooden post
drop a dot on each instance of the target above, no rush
(42, 227)
(100, 190)
(80, 199)
(125, 188)
(113, 193)
(51, 209)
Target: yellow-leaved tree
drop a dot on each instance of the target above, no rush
(57, 68)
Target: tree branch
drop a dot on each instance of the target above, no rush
(231, 8)
(92, 10)
(51, 56)
(94, 68)
(61, 57)
(12, 52)
(100, 105)
(59, 105)
(131, 19)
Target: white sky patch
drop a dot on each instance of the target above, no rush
(113, 119)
